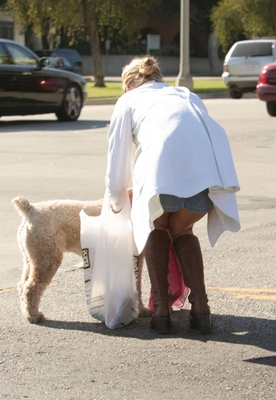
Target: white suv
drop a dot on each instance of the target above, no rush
(244, 62)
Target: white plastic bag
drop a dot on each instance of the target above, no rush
(107, 249)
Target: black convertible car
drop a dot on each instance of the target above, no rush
(29, 86)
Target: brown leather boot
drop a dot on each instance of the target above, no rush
(157, 258)
(189, 257)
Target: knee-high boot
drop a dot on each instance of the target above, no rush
(157, 258)
(189, 257)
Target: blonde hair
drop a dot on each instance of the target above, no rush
(141, 70)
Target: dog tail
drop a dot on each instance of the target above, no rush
(22, 205)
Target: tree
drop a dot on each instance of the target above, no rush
(243, 19)
(92, 17)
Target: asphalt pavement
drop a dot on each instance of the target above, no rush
(73, 356)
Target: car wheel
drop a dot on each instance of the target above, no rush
(271, 108)
(235, 93)
(71, 105)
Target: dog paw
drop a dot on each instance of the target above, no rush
(144, 312)
(36, 318)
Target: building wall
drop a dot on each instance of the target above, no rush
(165, 25)
(18, 36)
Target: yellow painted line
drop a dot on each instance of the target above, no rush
(253, 296)
(14, 289)
(7, 290)
(247, 293)
(251, 290)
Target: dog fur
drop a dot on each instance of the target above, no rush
(48, 230)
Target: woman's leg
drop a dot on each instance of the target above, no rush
(157, 258)
(188, 253)
(181, 222)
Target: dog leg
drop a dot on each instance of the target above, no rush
(30, 298)
(24, 277)
(26, 260)
(40, 276)
(26, 267)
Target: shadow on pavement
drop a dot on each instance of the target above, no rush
(48, 125)
(250, 331)
(270, 360)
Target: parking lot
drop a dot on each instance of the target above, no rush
(71, 355)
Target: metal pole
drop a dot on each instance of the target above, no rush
(184, 78)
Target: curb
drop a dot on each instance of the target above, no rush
(101, 101)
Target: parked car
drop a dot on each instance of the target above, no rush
(60, 63)
(29, 86)
(243, 64)
(71, 55)
(266, 88)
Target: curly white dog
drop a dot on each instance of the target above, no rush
(48, 229)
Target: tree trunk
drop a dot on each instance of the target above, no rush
(214, 62)
(96, 52)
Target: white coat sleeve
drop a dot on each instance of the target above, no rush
(119, 157)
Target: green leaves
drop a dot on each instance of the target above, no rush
(243, 19)
(120, 16)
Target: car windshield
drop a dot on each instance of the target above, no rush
(4, 57)
(253, 49)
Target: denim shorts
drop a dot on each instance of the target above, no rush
(200, 202)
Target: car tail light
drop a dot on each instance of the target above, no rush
(271, 77)
(263, 79)
(225, 67)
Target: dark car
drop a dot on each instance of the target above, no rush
(60, 63)
(29, 86)
(71, 55)
(266, 88)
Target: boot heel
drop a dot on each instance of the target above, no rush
(202, 322)
(161, 324)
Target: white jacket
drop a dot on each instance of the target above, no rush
(181, 151)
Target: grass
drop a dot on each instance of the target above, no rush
(114, 89)
(207, 86)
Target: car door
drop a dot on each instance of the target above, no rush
(38, 91)
(10, 83)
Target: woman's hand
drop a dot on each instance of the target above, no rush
(129, 192)
(112, 209)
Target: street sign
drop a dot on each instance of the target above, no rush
(153, 42)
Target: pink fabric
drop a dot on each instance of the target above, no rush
(177, 289)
